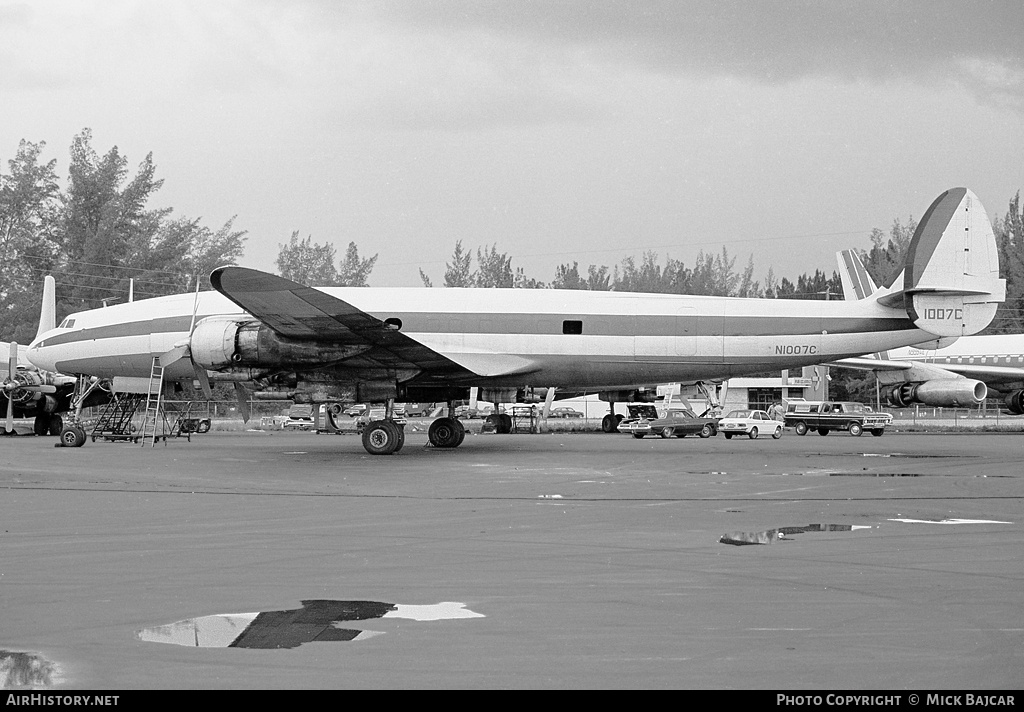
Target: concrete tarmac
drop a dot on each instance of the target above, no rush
(589, 561)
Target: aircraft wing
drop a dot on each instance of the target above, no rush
(991, 375)
(873, 364)
(299, 312)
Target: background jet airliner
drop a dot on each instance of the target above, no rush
(373, 345)
(939, 373)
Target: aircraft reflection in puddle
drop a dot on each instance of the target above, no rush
(26, 671)
(315, 621)
(767, 537)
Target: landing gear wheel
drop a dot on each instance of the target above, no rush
(801, 428)
(41, 426)
(504, 423)
(56, 424)
(381, 438)
(778, 433)
(752, 434)
(707, 431)
(446, 433)
(856, 429)
(72, 436)
(610, 423)
(822, 431)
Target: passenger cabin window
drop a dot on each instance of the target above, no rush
(572, 326)
(394, 322)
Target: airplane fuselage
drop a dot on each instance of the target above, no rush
(576, 339)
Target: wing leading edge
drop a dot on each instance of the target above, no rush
(299, 312)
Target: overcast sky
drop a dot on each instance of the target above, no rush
(558, 130)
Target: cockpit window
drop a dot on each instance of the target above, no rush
(67, 324)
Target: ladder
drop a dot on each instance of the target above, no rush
(154, 414)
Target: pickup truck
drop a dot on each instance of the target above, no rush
(825, 416)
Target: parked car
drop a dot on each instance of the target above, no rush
(300, 417)
(378, 414)
(565, 413)
(825, 416)
(678, 424)
(464, 411)
(750, 423)
(638, 420)
(356, 410)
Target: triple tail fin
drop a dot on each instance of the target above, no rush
(951, 284)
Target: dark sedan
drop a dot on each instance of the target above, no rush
(674, 424)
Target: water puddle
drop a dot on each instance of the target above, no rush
(26, 671)
(316, 621)
(767, 537)
(949, 521)
(912, 474)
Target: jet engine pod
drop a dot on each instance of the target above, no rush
(941, 392)
(1015, 402)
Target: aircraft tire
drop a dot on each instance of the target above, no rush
(446, 432)
(56, 424)
(504, 423)
(399, 433)
(381, 438)
(822, 431)
(608, 424)
(72, 436)
(41, 425)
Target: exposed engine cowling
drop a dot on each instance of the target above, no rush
(1015, 402)
(223, 342)
(941, 392)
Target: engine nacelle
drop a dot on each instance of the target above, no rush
(224, 342)
(1015, 402)
(940, 392)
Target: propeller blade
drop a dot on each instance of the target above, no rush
(243, 401)
(175, 354)
(38, 389)
(204, 380)
(13, 368)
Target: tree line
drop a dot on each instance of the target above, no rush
(99, 232)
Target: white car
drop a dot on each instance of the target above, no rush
(750, 423)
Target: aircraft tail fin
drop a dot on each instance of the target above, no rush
(48, 312)
(951, 284)
(857, 283)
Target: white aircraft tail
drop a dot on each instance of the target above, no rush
(857, 283)
(48, 312)
(951, 284)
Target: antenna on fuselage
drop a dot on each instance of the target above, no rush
(131, 289)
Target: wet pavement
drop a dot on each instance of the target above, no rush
(517, 561)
